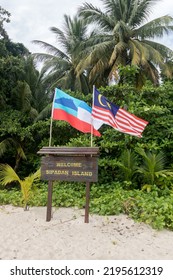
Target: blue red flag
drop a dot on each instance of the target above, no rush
(74, 111)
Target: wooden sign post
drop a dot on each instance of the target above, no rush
(69, 164)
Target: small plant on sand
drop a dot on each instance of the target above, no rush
(8, 175)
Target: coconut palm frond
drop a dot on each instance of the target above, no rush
(97, 69)
(140, 11)
(48, 47)
(94, 14)
(60, 34)
(34, 177)
(165, 51)
(154, 55)
(20, 152)
(7, 174)
(45, 113)
(114, 72)
(26, 191)
(156, 28)
(41, 57)
(4, 145)
(119, 48)
(135, 53)
(49, 56)
(22, 96)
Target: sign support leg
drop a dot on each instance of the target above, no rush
(49, 201)
(87, 202)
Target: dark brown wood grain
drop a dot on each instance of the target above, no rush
(65, 168)
(69, 164)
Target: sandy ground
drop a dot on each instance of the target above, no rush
(25, 235)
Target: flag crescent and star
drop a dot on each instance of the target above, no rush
(101, 103)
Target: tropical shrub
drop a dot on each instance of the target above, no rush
(153, 168)
(8, 175)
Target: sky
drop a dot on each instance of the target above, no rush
(32, 19)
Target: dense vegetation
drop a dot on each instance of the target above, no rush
(135, 174)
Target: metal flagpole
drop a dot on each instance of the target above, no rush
(51, 121)
(92, 118)
(50, 138)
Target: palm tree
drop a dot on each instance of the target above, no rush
(60, 65)
(34, 79)
(30, 94)
(126, 39)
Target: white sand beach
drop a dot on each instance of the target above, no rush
(25, 235)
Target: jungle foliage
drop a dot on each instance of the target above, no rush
(135, 174)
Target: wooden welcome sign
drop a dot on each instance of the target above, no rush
(69, 164)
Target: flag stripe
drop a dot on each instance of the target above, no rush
(59, 114)
(117, 124)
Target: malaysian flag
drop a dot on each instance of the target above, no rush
(105, 112)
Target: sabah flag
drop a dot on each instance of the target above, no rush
(74, 111)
